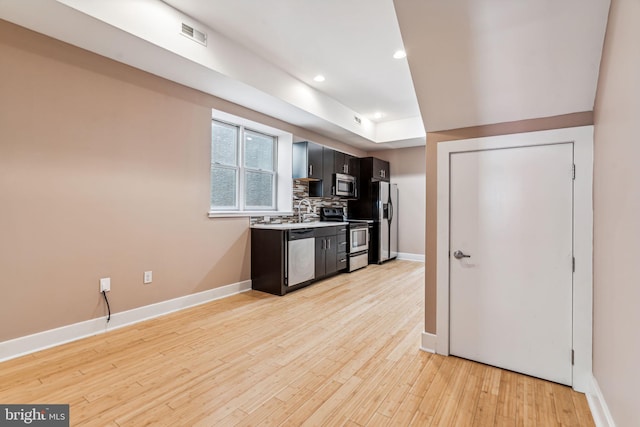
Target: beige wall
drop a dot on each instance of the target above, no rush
(433, 138)
(616, 342)
(104, 171)
(408, 171)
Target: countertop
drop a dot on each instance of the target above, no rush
(296, 225)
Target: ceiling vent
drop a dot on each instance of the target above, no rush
(193, 34)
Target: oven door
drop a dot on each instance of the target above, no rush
(359, 240)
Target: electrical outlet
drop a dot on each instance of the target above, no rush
(148, 277)
(105, 284)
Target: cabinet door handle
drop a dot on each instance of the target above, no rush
(328, 244)
(310, 169)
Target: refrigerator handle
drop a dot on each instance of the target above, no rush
(390, 210)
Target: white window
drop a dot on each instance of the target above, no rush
(243, 168)
(224, 166)
(259, 170)
(247, 174)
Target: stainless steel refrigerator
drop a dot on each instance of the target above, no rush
(388, 218)
(379, 203)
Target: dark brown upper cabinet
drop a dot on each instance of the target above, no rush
(343, 163)
(317, 164)
(372, 169)
(307, 159)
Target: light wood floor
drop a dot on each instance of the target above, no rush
(341, 352)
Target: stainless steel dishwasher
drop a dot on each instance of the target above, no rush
(301, 256)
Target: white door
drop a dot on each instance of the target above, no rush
(510, 303)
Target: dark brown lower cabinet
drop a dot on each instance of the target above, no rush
(326, 256)
(268, 260)
(269, 257)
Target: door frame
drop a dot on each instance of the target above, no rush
(582, 317)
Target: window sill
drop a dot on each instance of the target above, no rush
(240, 214)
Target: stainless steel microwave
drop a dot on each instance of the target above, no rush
(344, 185)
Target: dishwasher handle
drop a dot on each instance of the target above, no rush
(304, 233)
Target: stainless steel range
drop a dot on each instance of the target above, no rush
(358, 244)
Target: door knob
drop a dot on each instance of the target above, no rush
(459, 255)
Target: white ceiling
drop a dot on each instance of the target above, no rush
(350, 42)
(473, 62)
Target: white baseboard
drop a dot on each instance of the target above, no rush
(599, 409)
(428, 342)
(42, 340)
(411, 257)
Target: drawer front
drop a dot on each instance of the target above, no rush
(358, 261)
(343, 261)
(326, 231)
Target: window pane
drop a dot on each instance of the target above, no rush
(258, 151)
(259, 189)
(223, 187)
(224, 140)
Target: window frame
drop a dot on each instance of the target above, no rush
(223, 166)
(282, 184)
(273, 172)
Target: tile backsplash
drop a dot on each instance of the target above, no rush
(301, 191)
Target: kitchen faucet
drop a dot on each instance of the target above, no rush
(299, 211)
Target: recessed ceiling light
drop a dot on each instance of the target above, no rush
(378, 115)
(319, 78)
(399, 54)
